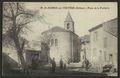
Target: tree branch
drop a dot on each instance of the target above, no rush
(7, 16)
(11, 8)
(23, 14)
(24, 23)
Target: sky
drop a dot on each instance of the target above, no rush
(84, 15)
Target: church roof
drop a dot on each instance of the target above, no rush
(56, 29)
(69, 18)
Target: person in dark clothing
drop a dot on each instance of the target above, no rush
(33, 64)
(83, 64)
(64, 66)
(61, 63)
(86, 64)
(53, 65)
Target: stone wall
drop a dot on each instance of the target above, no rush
(63, 50)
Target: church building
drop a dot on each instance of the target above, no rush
(63, 42)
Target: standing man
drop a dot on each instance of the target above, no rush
(64, 66)
(53, 65)
(61, 63)
(87, 63)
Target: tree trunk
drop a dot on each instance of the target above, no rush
(17, 44)
(20, 53)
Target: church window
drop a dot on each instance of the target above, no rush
(68, 25)
(52, 41)
(56, 42)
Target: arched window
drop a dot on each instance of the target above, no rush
(52, 41)
(56, 42)
(68, 25)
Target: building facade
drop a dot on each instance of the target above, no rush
(64, 43)
(103, 45)
(32, 55)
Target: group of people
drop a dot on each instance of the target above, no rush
(61, 64)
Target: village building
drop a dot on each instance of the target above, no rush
(64, 42)
(103, 43)
(38, 52)
(32, 55)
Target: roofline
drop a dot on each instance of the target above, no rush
(112, 34)
(111, 20)
(96, 27)
(100, 25)
(73, 33)
(54, 31)
(58, 31)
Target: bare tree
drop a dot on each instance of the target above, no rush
(47, 37)
(15, 22)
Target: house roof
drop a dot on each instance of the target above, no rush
(94, 28)
(112, 31)
(111, 20)
(113, 28)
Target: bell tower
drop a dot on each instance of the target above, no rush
(69, 23)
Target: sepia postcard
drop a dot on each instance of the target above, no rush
(60, 39)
